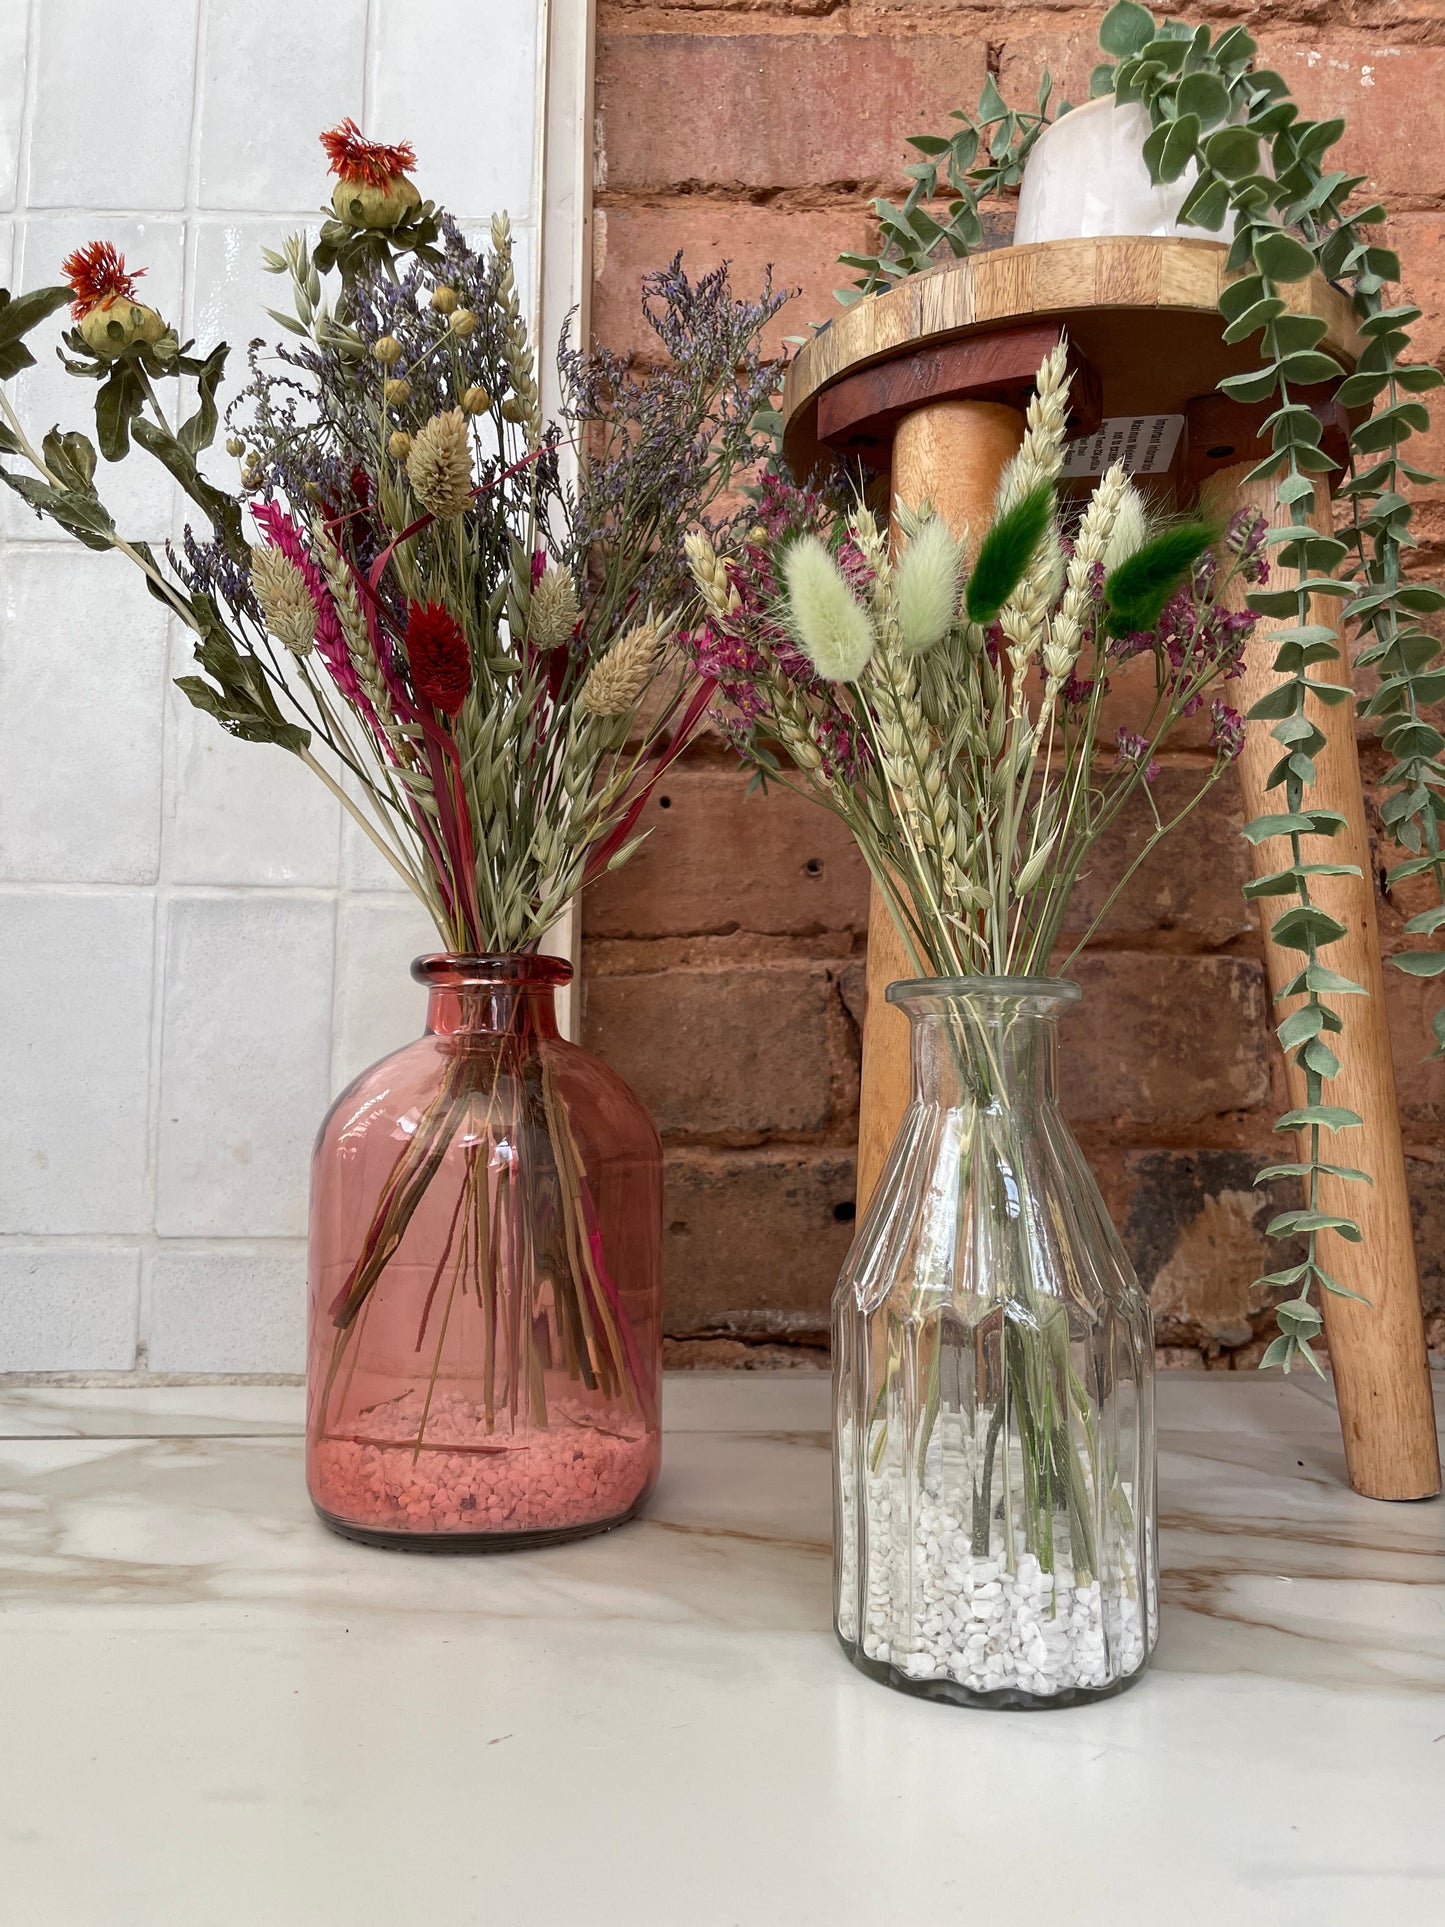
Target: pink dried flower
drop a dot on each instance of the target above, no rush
(438, 656)
(330, 641)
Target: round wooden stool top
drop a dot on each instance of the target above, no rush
(1143, 312)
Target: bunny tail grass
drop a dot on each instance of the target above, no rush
(1138, 589)
(1006, 552)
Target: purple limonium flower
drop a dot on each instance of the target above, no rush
(1226, 734)
(1245, 539)
(1132, 748)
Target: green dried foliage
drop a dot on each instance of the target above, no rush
(972, 774)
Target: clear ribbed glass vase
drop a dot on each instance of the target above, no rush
(994, 1525)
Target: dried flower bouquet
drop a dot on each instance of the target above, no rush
(946, 699)
(951, 715)
(466, 634)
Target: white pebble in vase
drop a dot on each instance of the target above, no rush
(1087, 176)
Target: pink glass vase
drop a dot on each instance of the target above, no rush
(484, 1279)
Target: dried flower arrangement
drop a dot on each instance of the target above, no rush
(944, 699)
(468, 639)
(950, 714)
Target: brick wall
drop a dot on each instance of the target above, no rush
(724, 969)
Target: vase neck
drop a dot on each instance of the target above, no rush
(984, 1041)
(481, 997)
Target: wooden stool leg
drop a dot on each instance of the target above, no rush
(1377, 1349)
(952, 453)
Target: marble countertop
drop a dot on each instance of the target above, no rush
(213, 1713)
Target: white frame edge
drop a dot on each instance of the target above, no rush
(565, 45)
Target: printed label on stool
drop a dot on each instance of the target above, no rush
(1145, 444)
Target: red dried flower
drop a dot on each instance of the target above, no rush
(436, 649)
(98, 276)
(369, 163)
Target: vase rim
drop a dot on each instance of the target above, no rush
(1018, 990)
(463, 970)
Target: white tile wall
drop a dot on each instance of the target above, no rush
(82, 696)
(480, 84)
(14, 25)
(196, 948)
(68, 1308)
(241, 812)
(76, 972)
(257, 148)
(231, 1311)
(245, 1061)
(378, 1005)
(114, 102)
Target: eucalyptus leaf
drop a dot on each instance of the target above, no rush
(1253, 319)
(1258, 385)
(1204, 97)
(1282, 257)
(1181, 141)
(1206, 205)
(1232, 152)
(1126, 29)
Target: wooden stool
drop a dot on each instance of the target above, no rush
(928, 381)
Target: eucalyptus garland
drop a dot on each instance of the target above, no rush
(1213, 110)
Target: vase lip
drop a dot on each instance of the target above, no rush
(494, 970)
(1039, 991)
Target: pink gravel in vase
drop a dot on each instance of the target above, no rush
(468, 1480)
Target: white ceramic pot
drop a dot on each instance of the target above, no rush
(1086, 176)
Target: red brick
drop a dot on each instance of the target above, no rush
(788, 9)
(734, 1055)
(800, 246)
(1426, 1175)
(719, 860)
(1165, 1040)
(772, 110)
(750, 1037)
(1419, 240)
(1192, 882)
(753, 1243)
(1391, 97)
(1419, 1078)
(1069, 57)
(1391, 94)
(1194, 1226)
